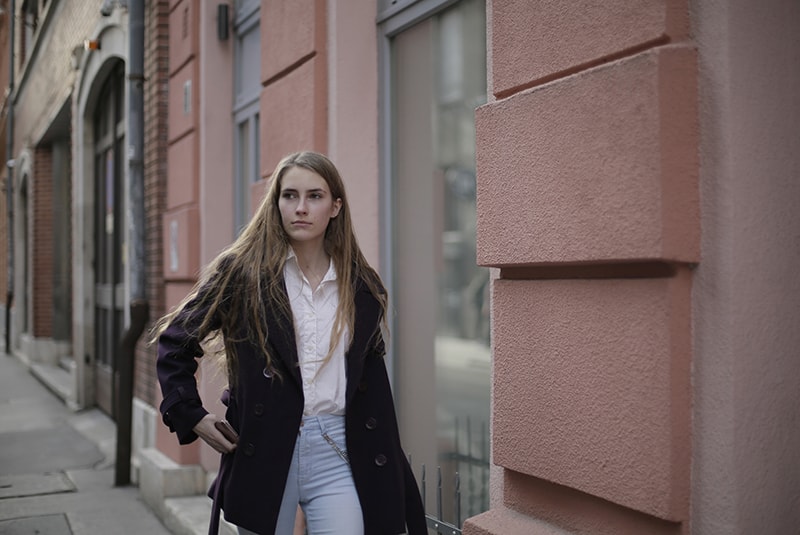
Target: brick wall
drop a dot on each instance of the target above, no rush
(41, 229)
(156, 61)
(48, 76)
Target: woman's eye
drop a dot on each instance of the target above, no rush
(288, 195)
(316, 195)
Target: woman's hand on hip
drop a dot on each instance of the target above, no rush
(207, 430)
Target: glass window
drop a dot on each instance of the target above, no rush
(247, 87)
(441, 351)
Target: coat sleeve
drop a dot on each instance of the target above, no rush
(176, 364)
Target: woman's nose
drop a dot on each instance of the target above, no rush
(301, 206)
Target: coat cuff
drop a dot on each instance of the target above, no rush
(181, 411)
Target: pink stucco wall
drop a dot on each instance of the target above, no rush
(747, 371)
(198, 221)
(591, 386)
(294, 63)
(534, 42)
(215, 142)
(665, 403)
(599, 166)
(353, 113)
(588, 202)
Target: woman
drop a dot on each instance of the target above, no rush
(298, 313)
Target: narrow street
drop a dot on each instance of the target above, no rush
(57, 466)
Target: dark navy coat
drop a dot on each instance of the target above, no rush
(266, 412)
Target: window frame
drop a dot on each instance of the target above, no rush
(246, 109)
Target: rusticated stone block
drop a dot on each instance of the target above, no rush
(592, 387)
(598, 167)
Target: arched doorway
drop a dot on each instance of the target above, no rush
(109, 139)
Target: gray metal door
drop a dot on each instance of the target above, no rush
(109, 131)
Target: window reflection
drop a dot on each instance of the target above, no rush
(441, 295)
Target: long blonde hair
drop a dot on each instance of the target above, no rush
(230, 292)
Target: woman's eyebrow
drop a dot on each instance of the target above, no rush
(312, 190)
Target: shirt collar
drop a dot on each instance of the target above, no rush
(291, 260)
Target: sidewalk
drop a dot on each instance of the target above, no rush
(57, 467)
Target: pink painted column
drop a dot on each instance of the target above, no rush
(588, 205)
(181, 218)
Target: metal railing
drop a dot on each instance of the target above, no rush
(468, 462)
(435, 522)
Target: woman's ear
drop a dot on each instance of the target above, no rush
(337, 206)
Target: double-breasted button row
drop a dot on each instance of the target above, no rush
(371, 424)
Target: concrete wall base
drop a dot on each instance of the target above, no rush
(160, 477)
(145, 419)
(44, 350)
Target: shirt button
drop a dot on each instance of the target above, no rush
(250, 448)
(258, 410)
(371, 424)
(380, 459)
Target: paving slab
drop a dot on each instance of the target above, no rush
(57, 466)
(55, 448)
(36, 525)
(17, 486)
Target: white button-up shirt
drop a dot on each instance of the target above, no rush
(314, 313)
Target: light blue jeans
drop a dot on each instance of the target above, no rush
(320, 481)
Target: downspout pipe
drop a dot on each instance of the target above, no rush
(10, 174)
(139, 310)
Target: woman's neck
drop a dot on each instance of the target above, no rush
(313, 261)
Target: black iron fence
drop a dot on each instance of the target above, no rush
(462, 478)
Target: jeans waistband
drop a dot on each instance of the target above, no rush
(323, 421)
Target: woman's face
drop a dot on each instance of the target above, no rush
(306, 206)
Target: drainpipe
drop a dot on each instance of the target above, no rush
(10, 174)
(138, 299)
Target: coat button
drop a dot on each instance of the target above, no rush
(249, 449)
(258, 410)
(362, 386)
(371, 424)
(380, 459)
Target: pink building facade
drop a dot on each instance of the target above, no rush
(636, 171)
